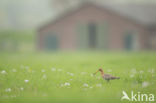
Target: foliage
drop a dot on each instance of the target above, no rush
(67, 77)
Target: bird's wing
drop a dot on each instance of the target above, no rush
(108, 75)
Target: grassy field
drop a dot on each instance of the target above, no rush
(67, 77)
(19, 41)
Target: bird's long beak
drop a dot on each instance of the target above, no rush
(96, 72)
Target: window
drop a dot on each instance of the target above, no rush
(92, 35)
(131, 40)
(51, 42)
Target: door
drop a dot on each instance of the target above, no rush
(51, 42)
(92, 30)
(128, 42)
(131, 41)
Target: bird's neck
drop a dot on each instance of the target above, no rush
(102, 73)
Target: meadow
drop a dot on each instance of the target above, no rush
(67, 77)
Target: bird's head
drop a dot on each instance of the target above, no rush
(99, 70)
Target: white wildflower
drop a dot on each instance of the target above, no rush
(91, 87)
(42, 70)
(44, 95)
(27, 67)
(91, 75)
(53, 69)
(141, 71)
(14, 70)
(98, 85)
(33, 71)
(3, 72)
(145, 84)
(61, 85)
(85, 85)
(83, 73)
(59, 70)
(22, 66)
(8, 90)
(67, 84)
(109, 70)
(44, 76)
(134, 70)
(21, 88)
(151, 70)
(71, 74)
(131, 75)
(98, 77)
(26, 81)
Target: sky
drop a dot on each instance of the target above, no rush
(30, 14)
(24, 13)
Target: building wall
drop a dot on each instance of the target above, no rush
(65, 28)
(152, 38)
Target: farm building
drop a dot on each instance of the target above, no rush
(93, 27)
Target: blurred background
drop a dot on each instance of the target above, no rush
(71, 25)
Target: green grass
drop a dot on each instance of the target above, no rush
(46, 85)
(17, 41)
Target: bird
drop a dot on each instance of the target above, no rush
(106, 77)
